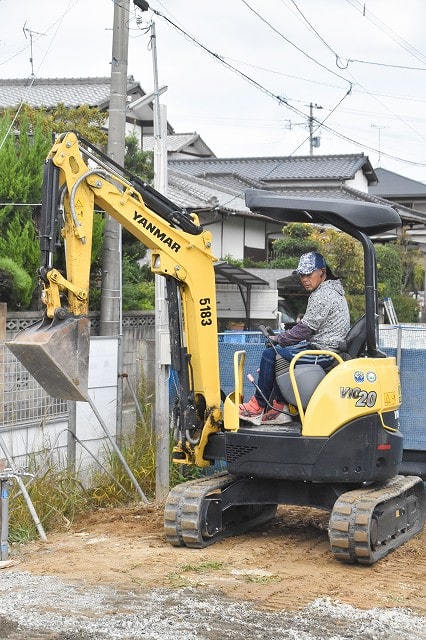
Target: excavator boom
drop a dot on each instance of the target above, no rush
(56, 349)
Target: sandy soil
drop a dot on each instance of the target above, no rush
(283, 564)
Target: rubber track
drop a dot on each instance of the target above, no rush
(183, 514)
(350, 520)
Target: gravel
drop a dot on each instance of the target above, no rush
(43, 607)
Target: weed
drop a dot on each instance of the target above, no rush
(176, 580)
(203, 567)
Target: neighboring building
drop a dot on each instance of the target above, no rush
(399, 189)
(348, 177)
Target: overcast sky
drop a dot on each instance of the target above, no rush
(363, 63)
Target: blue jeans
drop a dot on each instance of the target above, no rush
(266, 379)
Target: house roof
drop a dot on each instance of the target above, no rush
(72, 92)
(266, 170)
(198, 193)
(204, 194)
(181, 143)
(48, 92)
(393, 185)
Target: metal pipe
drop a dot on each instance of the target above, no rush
(24, 492)
(117, 451)
(4, 518)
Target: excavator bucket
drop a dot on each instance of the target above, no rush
(56, 353)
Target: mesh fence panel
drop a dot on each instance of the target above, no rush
(408, 345)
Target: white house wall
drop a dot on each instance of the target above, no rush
(255, 236)
(232, 234)
(263, 304)
(359, 182)
(232, 238)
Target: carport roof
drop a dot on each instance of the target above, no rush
(230, 274)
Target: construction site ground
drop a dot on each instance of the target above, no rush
(284, 565)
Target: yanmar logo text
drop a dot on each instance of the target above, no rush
(155, 232)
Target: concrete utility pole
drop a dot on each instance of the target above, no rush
(162, 336)
(110, 316)
(314, 141)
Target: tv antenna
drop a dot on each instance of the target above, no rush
(31, 35)
(379, 127)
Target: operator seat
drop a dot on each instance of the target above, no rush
(308, 376)
(354, 345)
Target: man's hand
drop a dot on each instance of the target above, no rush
(272, 341)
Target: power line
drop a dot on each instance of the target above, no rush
(292, 43)
(369, 15)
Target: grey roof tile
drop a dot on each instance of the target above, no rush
(394, 185)
(49, 92)
(270, 169)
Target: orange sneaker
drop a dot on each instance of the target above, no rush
(279, 414)
(251, 411)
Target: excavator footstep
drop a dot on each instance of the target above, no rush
(56, 354)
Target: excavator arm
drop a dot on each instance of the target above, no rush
(77, 180)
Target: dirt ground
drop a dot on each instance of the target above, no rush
(283, 564)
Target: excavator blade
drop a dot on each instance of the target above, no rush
(56, 354)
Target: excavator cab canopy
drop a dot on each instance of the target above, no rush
(357, 218)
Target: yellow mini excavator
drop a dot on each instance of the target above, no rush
(342, 452)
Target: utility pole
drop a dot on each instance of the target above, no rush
(162, 335)
(110, 315)
(313, 140)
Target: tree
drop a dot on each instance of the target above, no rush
(26, 140)
(21, 175)
(138, 282)
(399, 265)
(297, 239)
(390, 268)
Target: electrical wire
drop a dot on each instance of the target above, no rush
(292, 43)
(361, 7)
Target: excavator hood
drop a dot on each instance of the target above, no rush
(56, 353)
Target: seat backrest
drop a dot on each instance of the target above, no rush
(356, 339)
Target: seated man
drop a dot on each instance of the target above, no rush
(323, 326)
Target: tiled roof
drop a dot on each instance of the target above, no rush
(393, 185)
(200, 193)
(72, 92)
(197, 193)
(190, 143)
(266, 170)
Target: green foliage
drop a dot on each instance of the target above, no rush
(389, 268)
(344, 255)
(406, 308)
(116, 488)
(138, 162)
(21, 170)
(297, 239)
(138, 297)
(16, 286)
(230, 260)
(22, 155)
(412, 259)
(356, 304)
(138, 286)
(57, 496)
(90, 122)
